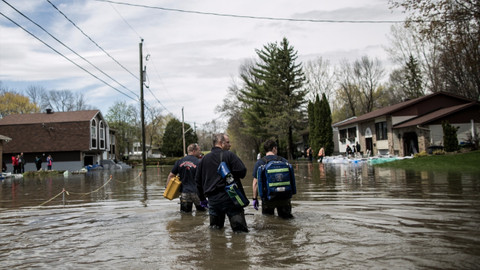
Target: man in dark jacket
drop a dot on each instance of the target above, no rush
(212, 186)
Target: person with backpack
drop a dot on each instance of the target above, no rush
(213, 185)
(274, 182)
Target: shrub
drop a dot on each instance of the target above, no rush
(439, 152)
(450, 140)
(421, 154)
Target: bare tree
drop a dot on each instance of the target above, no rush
(368, 74)
(454, 28)
(57, 100)
(320, 79)
(406, 43)
(348, 92)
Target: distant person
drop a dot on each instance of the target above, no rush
(38, 163)
(321, 154)
(186, 169)
(49, 162)
(309, 154)
(211, 185)
(359, 149)
(348, 150)
(15, 164)
(21, 163)
(276, 194)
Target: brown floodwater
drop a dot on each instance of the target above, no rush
(346, 217)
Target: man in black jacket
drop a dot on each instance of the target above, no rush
(212, 186)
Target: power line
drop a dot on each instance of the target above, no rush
(68, 59)
(131, 27)
(250, 17)
(136, 77)
(125, 21)
(39, 26)
(158, 76)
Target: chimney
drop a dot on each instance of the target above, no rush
(49, 111)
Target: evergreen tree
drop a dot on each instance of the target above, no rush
(273, 94)
(326, 138)
(413, 78)
(450, 140)
(312, 131)
(317, 128)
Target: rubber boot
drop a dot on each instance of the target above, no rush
(285, 211)
(238, 223)
(186, 207)
(217, 222)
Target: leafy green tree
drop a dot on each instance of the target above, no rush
(450, 140)
(173, 139)
(273, 96)
(14, 103)
(123, 119)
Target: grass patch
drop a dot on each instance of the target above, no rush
(465, 162)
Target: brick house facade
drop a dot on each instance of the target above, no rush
(73, 139)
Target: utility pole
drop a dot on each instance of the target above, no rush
(142, 108)
(183, 134)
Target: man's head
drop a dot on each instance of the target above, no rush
(194, 150)
(221, 140)
(270, 146)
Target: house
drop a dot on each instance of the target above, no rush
(3, 140)
(73, 139)
(412, 126)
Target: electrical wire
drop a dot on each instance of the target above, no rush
(158, 76)
(131, 27)
(68, 59)
(70, 49)
(119, 14)
(96, 44)
(250, 17)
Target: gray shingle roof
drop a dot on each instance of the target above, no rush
(56, 117)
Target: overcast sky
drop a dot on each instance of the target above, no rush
(192, 58)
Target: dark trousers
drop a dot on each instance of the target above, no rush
(284, 208)
(219, 206)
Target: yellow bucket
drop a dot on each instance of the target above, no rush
(173, 188)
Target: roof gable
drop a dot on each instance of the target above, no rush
(55, 117)
(389, 110)
(438, 114)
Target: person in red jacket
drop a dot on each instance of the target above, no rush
(15, 164)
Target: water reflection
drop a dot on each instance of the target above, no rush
(346, 216)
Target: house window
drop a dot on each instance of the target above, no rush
(102, 135)
(343, 135)
(93, 133)
(381, 130)
(352, 134)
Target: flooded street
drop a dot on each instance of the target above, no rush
(346, 217)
